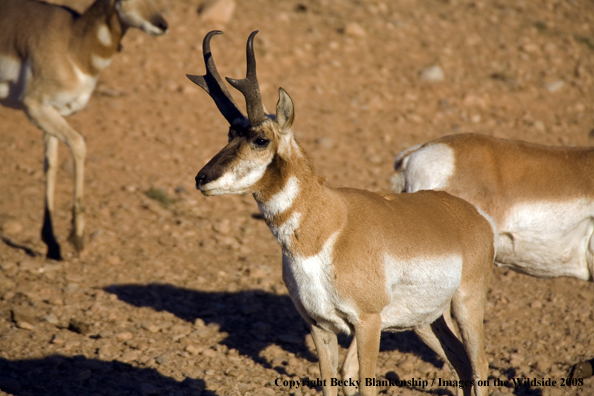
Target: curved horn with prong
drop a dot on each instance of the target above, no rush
(214, 85)
(249, 86)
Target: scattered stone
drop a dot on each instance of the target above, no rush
(114, 260)
(12, 228)
(25, 325)
(432, 74)
(124, 336)
(130, 356)
(79, 327)
(50, 318)
(314, 370)
(257, 273)
(217, 11)
(163, 359)
(209, 352)
(223, 226)
(353, 29)
(58, 340)
(516, 359)
(194, 350)
(555, 86)
(30, 265)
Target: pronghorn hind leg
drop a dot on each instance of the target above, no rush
(468, 310)
(50, 167)
(52, 123)
(350, 368)
(439, 337)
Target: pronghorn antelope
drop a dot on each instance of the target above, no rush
(50, 60)
(541, 197)
(354, 261)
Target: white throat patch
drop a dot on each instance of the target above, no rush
(282, 200)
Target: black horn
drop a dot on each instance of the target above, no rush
(214, 85)
(249, 86)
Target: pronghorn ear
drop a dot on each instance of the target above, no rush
(285, 112)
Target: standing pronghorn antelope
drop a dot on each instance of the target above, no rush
(50, 60)
(541, 197)
(354, 261)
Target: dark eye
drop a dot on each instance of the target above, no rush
(261, 142)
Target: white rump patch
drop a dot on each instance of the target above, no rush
(104, 35)
(428, 168)
(14, 76)
(420, 289)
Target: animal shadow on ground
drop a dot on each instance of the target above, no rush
(252, 319)
(80, 376)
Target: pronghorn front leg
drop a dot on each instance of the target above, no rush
(51, 122)
(50, 167)
(327, 347)
(368, 332)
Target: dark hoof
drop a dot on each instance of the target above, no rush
(582, 370)
(53, 252)
(77, 241)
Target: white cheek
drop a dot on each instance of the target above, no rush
(239, 179)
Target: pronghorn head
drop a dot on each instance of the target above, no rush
(255, 141)
(141, 14)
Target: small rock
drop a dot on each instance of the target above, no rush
(516, 359)
(12, 228)
(114, 260)
(10, 385)
(353, 29)
(79, 327)
(163, 359)
(209, 352)
(536, 304)
(217, 11)
(58, 340)
(194, 350)
(25, 325)
(432, 74)
(278, 361)
(257, 273)
(124, 336)
(50, 318)
(30, 265)
(314, 370)
(555, 86)
(129, 356)
(223, 227)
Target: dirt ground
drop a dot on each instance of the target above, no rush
(178, 294)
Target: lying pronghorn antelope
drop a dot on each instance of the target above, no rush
(50, 60)
(354, 261)
(541, 198)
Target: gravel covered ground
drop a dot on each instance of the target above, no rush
(178, 294)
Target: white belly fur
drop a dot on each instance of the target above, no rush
(548, 239)
(14, 76)
(420, 290)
